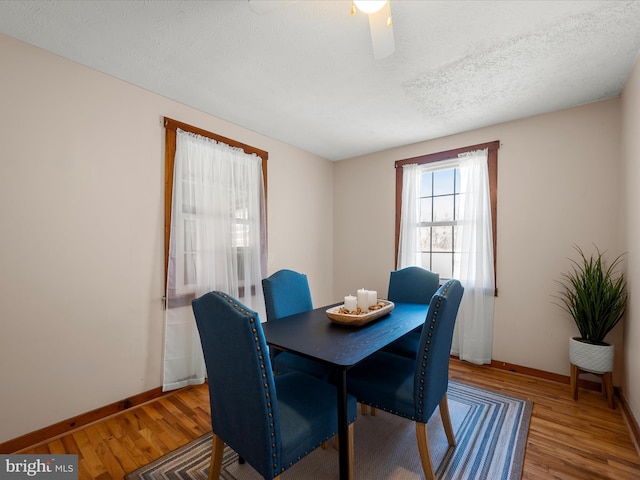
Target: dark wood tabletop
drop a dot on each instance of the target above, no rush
(313, 335)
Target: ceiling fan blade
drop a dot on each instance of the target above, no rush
(381, 33)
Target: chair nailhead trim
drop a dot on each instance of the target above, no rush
(427, 347)
(269, 405)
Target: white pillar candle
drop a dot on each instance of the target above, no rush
(373, 298)
(350, 303)
(363, 299)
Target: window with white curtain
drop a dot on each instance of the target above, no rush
(240, 219)
(215, 236)
(446, 223)
(188, 218)
(436, 206)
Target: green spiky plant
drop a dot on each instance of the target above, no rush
(595, 296)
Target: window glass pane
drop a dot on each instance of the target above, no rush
(240, 253)
(443, 182)
(189, 269)
(189, 249)
(425, 260)
(425, 185)
(425, 239)
(442, 263)
(455, 237)
(188, 202)
(189, 235)
(443, 209)
(241, 235)
(242, 213)
(442, 239)
(425, 209)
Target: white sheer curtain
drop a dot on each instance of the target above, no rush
(473, 260)
(409, 244)
(473, 336)
(217, 242)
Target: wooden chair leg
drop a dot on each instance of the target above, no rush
(574, 381)
(607, 388)
(363, 409)
(216, 458)
(446, 420)
(423, 448)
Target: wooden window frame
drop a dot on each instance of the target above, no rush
(492, 163)
(171, 127)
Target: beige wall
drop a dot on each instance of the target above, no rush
(81, 250)
(630, 102)
(558, 184)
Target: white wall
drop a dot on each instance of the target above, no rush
(81, 250)
(558, 184)
(630, 101)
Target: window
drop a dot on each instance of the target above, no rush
(187, 252)
(439, 191)
(437, 204)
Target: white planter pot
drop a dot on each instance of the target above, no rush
(589, 357)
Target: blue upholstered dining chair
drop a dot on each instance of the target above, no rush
(286, 293)
(411, 285)
(271, 421)
(413, 388)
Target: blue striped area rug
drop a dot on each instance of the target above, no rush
(490, 429)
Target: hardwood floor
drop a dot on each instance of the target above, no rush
(567, 439)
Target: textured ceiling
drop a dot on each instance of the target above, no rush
(303, 72)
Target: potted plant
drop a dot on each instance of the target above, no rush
(596, 297)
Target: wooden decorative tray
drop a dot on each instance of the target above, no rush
(356, 320)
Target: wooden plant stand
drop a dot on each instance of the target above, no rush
(607, 383)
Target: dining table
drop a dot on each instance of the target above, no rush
(314, 335)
